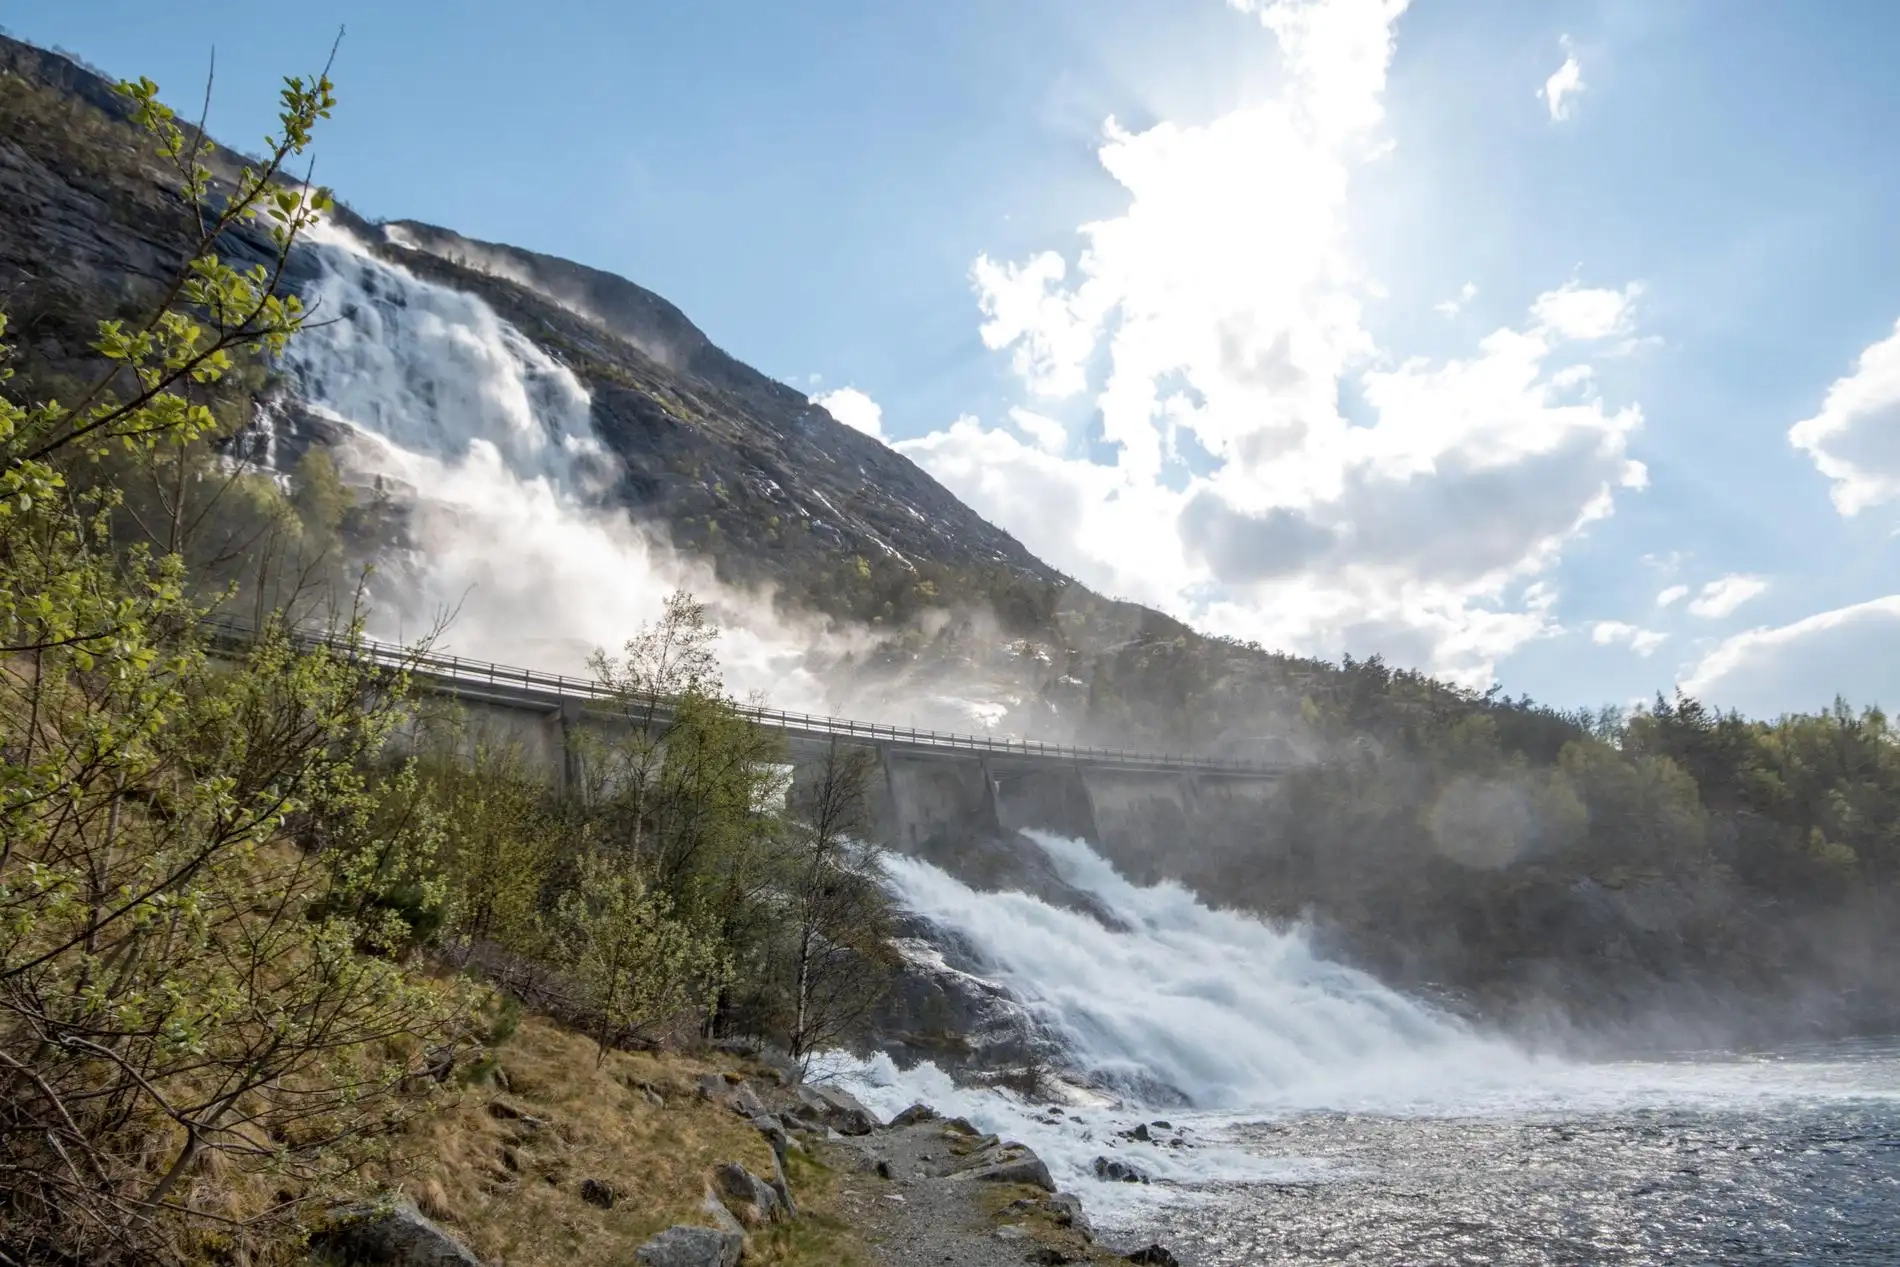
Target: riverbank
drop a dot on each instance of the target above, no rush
(546, 1155)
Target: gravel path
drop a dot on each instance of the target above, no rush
(932, 1212)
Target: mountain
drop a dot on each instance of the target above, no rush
(722, 462)
(1443, 836)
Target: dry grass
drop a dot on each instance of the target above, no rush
(510, 1186)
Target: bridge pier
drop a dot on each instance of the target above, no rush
(936, 796)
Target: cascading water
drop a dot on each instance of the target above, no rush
(489, 442)
(1212, 1006)
(1332, 1119)
(1168, 1006)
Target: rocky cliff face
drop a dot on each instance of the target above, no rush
(719, 460)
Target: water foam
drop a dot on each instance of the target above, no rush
(1216, 1006)
(489, 441)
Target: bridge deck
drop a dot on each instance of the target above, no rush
(518, 687)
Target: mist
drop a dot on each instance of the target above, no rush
(488, 445)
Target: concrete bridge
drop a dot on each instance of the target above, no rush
(938, 786)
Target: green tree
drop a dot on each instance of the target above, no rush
(634, 966)
(178, 977)
(836, 961)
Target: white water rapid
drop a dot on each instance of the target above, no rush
(1238, 1018)
(1256, 1032)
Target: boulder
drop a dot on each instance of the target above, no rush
(1066, 1208)
(721, 1217)
(1115, 1170)
(782, 1187)
(774, 1132)
(914, 1114)
(692, 1247)
(836, 1109)
(390, 1233)
(1153, 1256)
(745, 1101)
(1027, 1168)
(756, 1200)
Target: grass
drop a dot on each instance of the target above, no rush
(509, 1186)
(1039, 1220)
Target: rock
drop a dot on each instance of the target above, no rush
(883, 1168)
(973, 1149)
(786, 1071)
(734, 1093)
(1117, 1171)
(914, 1114)
(1066, 1208)
(1028, 1168)
(774, 1132)
(1011, 1232)
(502, 1111)
(745, 1101)
(959, 1126)
(1141, 1133)
(782, 1187)
(1160, 1125)
(720, 1215)
(692, 1247)
(757, 1201)
(391, 1233)
(1048, 1256)
(837, 1109)
(598, 1192)
(1153, 1256)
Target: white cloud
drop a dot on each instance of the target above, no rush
(1802, 666)
(1609, 633)
(1564, 86)
(1573, 311)
(1045, 433)
(854, 409)
(1671, 596)
(1221, 305)
(1855, 439)
(1452, 307)
(1721, 597)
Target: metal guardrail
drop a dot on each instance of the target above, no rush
(454, 675)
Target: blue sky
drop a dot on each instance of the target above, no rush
(1394, 333)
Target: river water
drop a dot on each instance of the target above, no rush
(1297, 1111)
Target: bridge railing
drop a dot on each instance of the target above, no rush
(456, 675)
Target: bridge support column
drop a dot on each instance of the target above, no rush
(562, 724)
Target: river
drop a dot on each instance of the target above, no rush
(1286, 1109)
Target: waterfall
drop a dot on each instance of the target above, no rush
(1174, 1009)
(489, 443)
